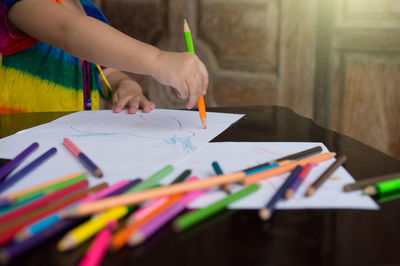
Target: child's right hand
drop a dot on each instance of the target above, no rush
(183, 71)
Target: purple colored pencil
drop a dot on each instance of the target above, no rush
(27, 169)
(9, 166)
(297, 182)
(163, 218)
(15, 249)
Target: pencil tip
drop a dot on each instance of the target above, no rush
(184, 21)
(264, 214)
(204, 121)
(98, 173)
(310, 191)
(369, 190)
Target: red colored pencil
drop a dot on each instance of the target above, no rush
(9, 230)
(41, 202)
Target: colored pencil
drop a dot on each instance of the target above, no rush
(370, 181)
(187, 220)
(32, 189)
(190, 48)
(86, 230)
(185, 174)
(27, 169)
(287, 167)
(66, 196)
(130, 199)
(16, 249)
(383, 188)
(297, 182)
(121, 238)
(163, 218)
(41, 225)
(218, 171)
(294, 156)
(99, 246)
(53, 188)
(12, 164)
(23, 210)
(152, 180)
(318, 183)
(20, 203)
(146, 209)
(266, 212)
(83, 158)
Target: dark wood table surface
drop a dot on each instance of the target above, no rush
(291, 237)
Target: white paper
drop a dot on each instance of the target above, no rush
(122, 145)
(235, 156)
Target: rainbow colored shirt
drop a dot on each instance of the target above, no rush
(37, 77)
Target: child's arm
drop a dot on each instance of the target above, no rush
(97, 42)
(126, 92)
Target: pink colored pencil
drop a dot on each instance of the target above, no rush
(163, 218)
(104, 192)
(95, 254)
(146, 210)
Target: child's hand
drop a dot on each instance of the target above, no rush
(183, 71)
(129, 94)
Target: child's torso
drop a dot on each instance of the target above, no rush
(43, 78)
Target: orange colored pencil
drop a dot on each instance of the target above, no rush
(141, 196)
(122, 237)
(30, 189)
(286, 168)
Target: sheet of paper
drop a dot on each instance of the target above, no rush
(235, 156)
(122, 145)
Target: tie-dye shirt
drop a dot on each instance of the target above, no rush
(37, 77)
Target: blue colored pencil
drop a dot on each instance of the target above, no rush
(93, 168)
(27, 169)
(266, 212)
(37, 227)
(218, 170)
(9, 166)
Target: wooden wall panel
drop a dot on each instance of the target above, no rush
(370, 97)
(297, 55)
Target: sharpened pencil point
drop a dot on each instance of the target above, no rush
(98, 173)
(369, 190)
(136, 239)
(310, 191)
(176, 226)
(264, 214)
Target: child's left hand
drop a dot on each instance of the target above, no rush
(127, 93)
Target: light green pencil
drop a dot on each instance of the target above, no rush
(187, 220)
(152, 180)
(190, 48)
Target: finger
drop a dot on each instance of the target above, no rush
(121, 102)
(114, 101)
(145, 105)
(194, 94)
(205, 78)
(183, 90)
(133, 105)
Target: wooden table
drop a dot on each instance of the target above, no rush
(291, 237)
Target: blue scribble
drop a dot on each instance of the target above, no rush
(183, 143)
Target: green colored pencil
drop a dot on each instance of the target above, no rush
(152, 180)
(383, 188)
(185, 221)
(51, 188)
